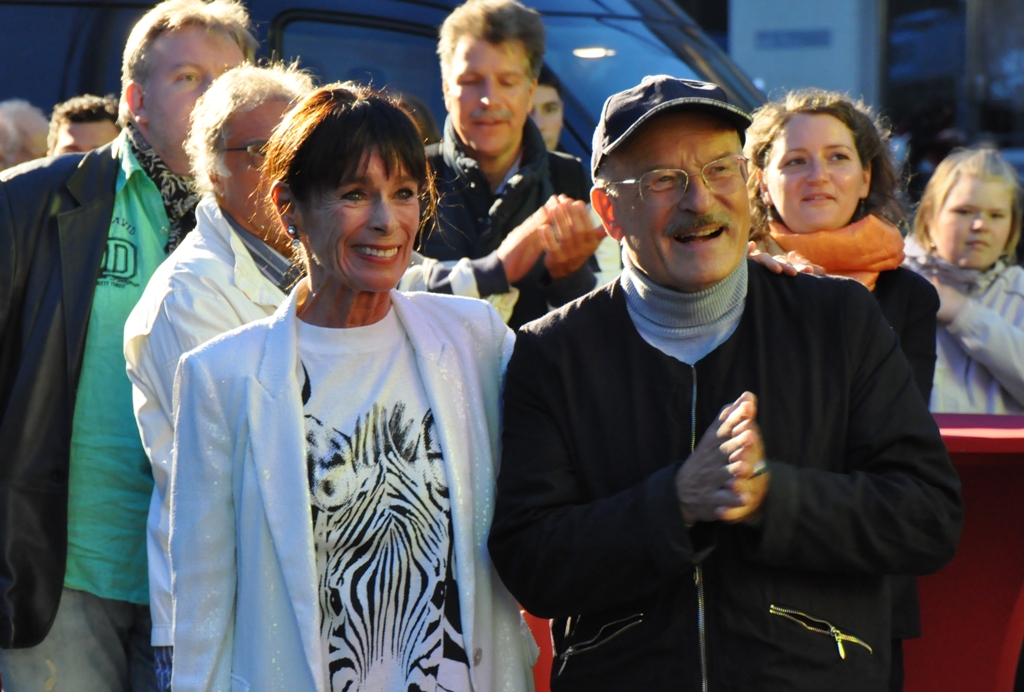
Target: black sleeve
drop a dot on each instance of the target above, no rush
(558, 292)
(893, 505)
(8, 265)
(558, 550)
(917, 339)
(8, 253)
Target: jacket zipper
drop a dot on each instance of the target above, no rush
(821, 627)
(698, 573)
(632, 621)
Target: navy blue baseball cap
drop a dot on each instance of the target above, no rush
(626, 111)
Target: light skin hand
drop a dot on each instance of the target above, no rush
(745, 449)
(767, 261)
(951, 302)
(523, 246)
(570, 236)
(790, 264)
(801, 263)
(703, 479)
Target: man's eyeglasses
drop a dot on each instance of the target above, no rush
(667, 186)
(257, 152)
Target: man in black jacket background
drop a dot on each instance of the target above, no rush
(511, 220)
(708, 469)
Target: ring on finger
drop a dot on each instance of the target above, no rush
(760, 468)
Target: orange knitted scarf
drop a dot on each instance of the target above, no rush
(858, 251)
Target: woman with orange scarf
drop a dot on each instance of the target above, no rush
(823, 191)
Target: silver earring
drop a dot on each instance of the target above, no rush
(293, 233)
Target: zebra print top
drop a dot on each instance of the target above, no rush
(389, 606)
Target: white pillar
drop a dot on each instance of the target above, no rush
(790, 44)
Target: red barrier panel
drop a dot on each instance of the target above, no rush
(542, 669)
(972, 612)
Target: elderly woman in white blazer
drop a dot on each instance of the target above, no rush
(335, 463)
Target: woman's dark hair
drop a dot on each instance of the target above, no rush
(870, 136)
(549, 78)
(327, 138)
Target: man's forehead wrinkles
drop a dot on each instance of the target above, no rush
(185, 65)
(653, 155)
(482, 71)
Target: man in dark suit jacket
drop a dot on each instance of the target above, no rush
(80, 236)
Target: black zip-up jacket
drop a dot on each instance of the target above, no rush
(472, 222)
(910, 305)
(588, 529)
(54, 219)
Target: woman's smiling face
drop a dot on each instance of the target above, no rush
(814, 177)
(360, 235)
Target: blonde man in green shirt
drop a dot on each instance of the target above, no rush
(79, 238)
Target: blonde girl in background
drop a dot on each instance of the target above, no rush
(964, 238)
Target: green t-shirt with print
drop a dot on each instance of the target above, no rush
(110, 480)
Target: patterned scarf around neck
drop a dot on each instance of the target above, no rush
(179, 197)
(858, 251)
(970, 282)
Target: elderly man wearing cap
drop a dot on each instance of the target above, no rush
(708, 468)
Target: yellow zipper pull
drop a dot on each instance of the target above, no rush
(839, 642)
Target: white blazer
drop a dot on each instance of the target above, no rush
(244, 574)
(208, 285)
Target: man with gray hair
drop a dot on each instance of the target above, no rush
(512, 221)
(80, 235)
(27, 127)
(234, 268)
(708, 470)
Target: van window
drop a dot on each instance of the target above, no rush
(80, 54)
(402, 62)
(597, 57)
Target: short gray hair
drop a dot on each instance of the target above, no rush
(495, 21)
(29, 126)
(10, 143)
(237, 91)
(226, 16)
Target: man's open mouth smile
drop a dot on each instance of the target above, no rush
(699, 236)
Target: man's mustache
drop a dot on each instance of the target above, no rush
(684, 225)
(499, 113)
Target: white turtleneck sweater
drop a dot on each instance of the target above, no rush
(686, 326)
